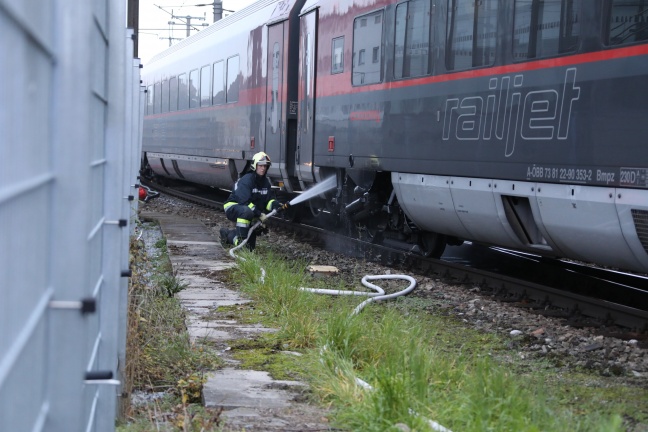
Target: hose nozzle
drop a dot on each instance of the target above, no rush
(284, 207)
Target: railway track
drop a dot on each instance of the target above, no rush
(582, 295)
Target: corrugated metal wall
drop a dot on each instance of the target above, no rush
(70, 129)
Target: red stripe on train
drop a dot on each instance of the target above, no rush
(333, 85)
(340, 84)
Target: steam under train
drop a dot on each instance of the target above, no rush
(517, 123)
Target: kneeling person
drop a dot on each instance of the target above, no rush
(251, 198)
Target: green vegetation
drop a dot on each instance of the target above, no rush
(170, 284)
(420, 366)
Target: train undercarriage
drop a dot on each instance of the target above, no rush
(371, 212)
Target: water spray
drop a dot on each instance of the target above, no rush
(318, 189)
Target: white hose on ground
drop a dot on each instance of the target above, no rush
(240, 245)
(378, 295)
(373, 296)
(150, 193)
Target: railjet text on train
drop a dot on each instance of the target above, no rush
(543, 115)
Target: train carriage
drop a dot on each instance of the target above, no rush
(513, 123)
(206, 105)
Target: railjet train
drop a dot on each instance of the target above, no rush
(516, 123)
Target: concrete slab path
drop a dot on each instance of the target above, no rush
(251, 400)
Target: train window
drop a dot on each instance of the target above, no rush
(337, 55)
(165, 96)
(194, 85)
(367, 36)
(232, 79)
(412, 44)
(183, 92)
(471, 33)
(205, 80)
(173, 94)
(149, 99)
(628, 22)
(218, 84)
(157, 98)
(544, 28)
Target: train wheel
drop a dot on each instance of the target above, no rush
(432, 244)
(315, 209)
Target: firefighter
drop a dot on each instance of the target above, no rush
(251, 199)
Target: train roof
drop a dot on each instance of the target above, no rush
(281, 11)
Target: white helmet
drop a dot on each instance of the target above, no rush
(260, 159)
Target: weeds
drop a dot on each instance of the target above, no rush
(394, 349)
(419, 367)
(171, 284)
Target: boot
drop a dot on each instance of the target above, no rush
(224, 232)
(237, 235)
(228, 237)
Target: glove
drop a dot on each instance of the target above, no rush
(263, 217)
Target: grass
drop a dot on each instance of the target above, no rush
(420, 364)
(420, 367)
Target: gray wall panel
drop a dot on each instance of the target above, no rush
(66, 171)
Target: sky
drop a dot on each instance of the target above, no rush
(155, 15)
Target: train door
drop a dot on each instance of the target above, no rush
(306, 170)
(275, 142)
